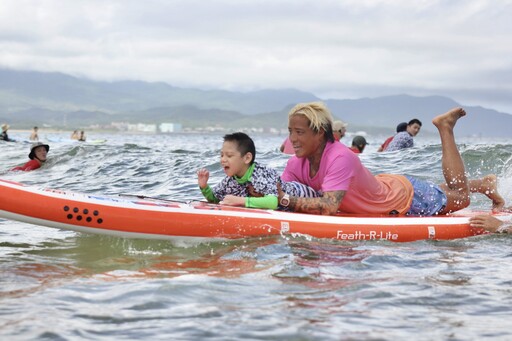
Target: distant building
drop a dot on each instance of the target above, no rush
(143, 128)
(170, 127)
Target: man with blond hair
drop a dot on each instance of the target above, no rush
(347, 186)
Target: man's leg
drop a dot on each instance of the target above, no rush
(456, 187)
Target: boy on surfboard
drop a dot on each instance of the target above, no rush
(247, 183)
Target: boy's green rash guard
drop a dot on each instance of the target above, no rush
(267, 201)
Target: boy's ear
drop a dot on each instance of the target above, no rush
(247, 158)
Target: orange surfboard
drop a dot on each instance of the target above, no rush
(131, 217)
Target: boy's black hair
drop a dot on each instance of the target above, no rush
(244, 143)
(414, 120)
(401, 127)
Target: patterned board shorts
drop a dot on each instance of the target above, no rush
(429, 199)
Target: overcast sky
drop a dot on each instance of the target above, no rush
(335, 49)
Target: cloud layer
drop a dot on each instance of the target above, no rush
(335, 49)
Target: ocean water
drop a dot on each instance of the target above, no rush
(62, 285)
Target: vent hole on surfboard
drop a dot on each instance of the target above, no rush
(95, 212)
(70, 216)
(88, 219)
(79, 217)
(100, 221)
(76, 210)
(66, 208)
(86, 211)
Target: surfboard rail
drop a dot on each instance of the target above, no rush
(131, 217)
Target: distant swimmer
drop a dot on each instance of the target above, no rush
(399, 128)
(34, 136)
(404, 139)
(37, 157)
(358, 144)
(287, 147)
(74, 135)
(4, 136)
(339, 128)
(82, 136)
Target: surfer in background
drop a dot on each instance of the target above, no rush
(339, 128)
(74, 135)
(4, 136)
(358, 144)
(399, 128)
(287, 147)
(247, 183)
(347, 186)
(34, 136)
(82, 136)
(404, 139)
(37, 157)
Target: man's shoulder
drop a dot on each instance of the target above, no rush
(335, 147)
(336, 150)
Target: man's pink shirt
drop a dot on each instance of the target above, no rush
(341, 170)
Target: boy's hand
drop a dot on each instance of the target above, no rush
(233, 200)
(202, 177)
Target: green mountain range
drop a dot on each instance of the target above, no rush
(29, 98)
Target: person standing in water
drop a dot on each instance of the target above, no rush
(34, 136)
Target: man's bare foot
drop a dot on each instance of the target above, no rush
(488, 186)
(492, 192)
(449, 118)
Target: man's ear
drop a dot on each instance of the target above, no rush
(247, 158)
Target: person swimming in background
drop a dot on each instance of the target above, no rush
(82, 136)
(34, 136)
(74, 135)
(405, 139)
(399, 128)
(4, 136)
(287, 147)
(358, 144)
(339, 128)
(247, 183)
(37, 156)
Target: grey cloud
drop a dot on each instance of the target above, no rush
(353, 47)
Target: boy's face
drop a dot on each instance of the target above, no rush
(233, 162)
(413, 129)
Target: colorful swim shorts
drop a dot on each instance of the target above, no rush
(429, 199)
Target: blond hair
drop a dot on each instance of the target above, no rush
(318, 115)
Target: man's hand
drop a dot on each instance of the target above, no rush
(486, 222)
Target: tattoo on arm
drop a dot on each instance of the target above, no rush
(327, 204)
